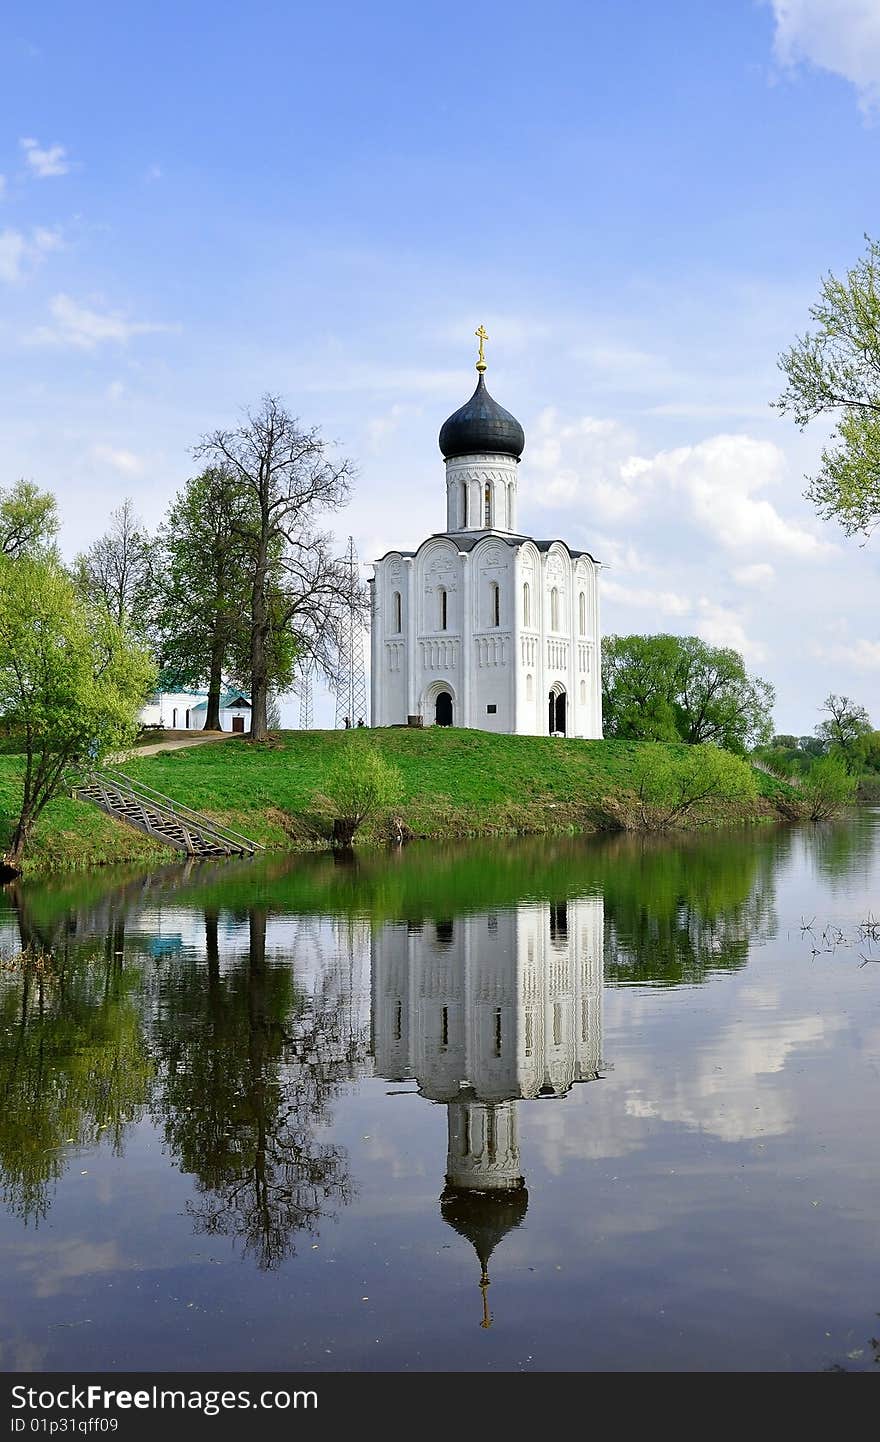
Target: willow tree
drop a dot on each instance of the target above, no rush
(298, 590)
(71, 681)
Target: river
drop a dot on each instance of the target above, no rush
(572, 1104)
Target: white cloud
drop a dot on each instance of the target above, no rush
(664, 603)
(616, 554)
(45, 161)
(721, 626)
(13, 248)
(120, 460)
(758, 575)
(79, 326)
(728, 1096)
(20, 252)
(720, 478)
(381, 427)
(592, 463)
(841, 36)
(587, 460)
(863, 654)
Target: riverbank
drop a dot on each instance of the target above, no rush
(454, 784)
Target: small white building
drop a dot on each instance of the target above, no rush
(186, 711)
(483, 626)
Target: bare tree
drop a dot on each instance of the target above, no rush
(298, 588)
(116, 572)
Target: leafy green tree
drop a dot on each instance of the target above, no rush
(828, 787)
(358, 783)
(28, 520)
(298, 589)
(866, 753)
(665, 688)
(202, 587)
(844, 726)
(71, 681)
(670, 784)
(638, 687)
(117, 572)
(835, 370)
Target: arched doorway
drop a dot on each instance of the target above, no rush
(443, 709)
(556, 712)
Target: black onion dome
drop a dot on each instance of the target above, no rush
(484, 1218)
(481, 425)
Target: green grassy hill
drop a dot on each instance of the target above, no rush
(456, 783)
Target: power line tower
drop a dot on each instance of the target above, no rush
(306, 697)
(351, 679)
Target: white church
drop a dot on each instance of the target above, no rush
(482, 626)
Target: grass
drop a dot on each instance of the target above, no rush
(455, 783)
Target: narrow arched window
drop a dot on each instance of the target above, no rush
(487, 507)
(530, 688)
(462, 491)
(397, 611)
(554, 609)
(443, 608)
(527, 604)
(582, 614)
(495, 594)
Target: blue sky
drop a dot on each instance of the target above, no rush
(202, 202)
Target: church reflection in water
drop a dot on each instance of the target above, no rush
(485, 1011)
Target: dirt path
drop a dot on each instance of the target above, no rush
(199, 738)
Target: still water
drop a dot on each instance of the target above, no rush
(573, 1104)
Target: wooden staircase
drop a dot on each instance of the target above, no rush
(159, 816)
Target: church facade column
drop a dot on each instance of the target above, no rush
(412, 700)
(377, 716)
(467, 631)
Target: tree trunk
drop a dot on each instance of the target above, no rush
(215, 680)
(259, 680)
(259, 690)
(259, 649)
(19, 840)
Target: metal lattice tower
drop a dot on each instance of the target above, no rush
(306, 698)
(351, 678)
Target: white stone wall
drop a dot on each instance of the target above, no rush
(169, 710)
(507, 1004)
(467, 478)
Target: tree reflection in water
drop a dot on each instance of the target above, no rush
(247, 1068)
(238, 1058)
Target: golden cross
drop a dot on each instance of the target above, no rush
(482, 336)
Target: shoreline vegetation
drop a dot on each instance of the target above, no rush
(448, 784)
